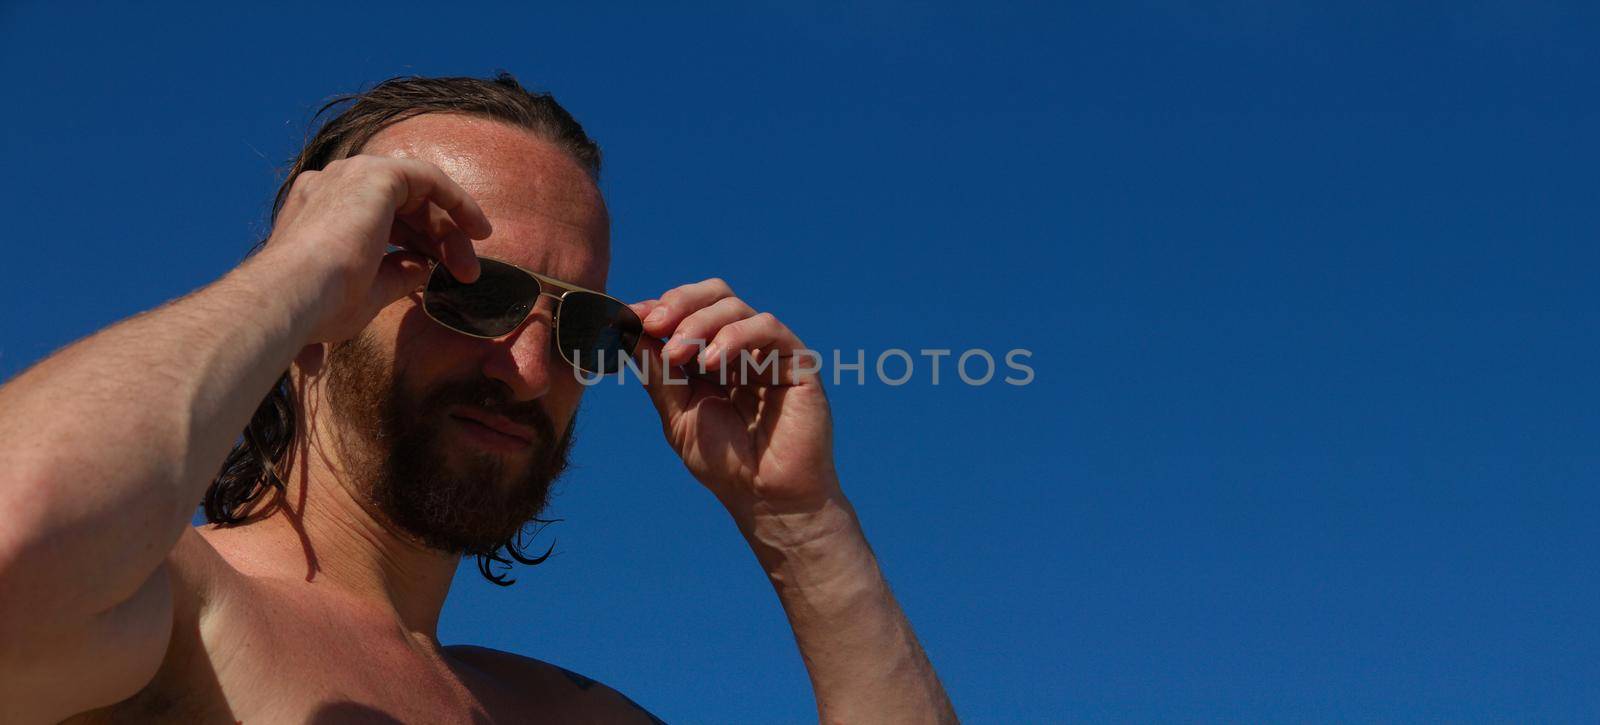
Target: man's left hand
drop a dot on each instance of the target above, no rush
(760, 446)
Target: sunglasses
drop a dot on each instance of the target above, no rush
(593, 331)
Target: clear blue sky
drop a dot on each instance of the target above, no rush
(1310, 291)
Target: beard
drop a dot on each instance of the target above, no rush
(454, 499)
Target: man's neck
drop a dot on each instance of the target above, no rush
(321, 531)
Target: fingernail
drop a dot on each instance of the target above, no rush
(709, 354)
(656, 315)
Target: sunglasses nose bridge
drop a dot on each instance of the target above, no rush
(553, 308)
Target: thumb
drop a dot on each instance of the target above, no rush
(670, 394)
(399, 274)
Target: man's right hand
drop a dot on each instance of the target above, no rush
(344, 218)
(109, 442)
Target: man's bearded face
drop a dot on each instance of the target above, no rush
(453, 498)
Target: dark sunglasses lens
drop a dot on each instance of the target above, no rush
(490, 307)
(597, 333)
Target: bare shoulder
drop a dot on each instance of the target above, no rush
(580, 698)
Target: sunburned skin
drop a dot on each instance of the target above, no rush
(276, 622)
(414, 446)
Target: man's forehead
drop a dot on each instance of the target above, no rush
(548, 215)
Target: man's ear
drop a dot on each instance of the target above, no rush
(311, 359)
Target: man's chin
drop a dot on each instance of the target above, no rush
(458, 501)
(459, 532)
(498, 474)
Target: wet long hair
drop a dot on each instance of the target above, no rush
(252, 470)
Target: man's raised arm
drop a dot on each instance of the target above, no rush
(109, 444)
(764, 447)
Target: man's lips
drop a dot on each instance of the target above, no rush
(495, 422)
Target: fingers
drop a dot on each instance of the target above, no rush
(670, 397)
(760, 350)
(426, 183)
(398, 274)
(754, 334)
(424, 199)
(438, 206)
(643, 309)
(702, 325)
(427, 201)
(436, 234)
(705, 323)
(683, 301)
(404, 235)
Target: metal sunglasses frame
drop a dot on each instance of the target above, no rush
(566, 289)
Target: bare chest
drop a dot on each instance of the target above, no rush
(275, 659)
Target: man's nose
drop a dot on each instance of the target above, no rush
(523, 360)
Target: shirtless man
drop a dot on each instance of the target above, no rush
(409, 446)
